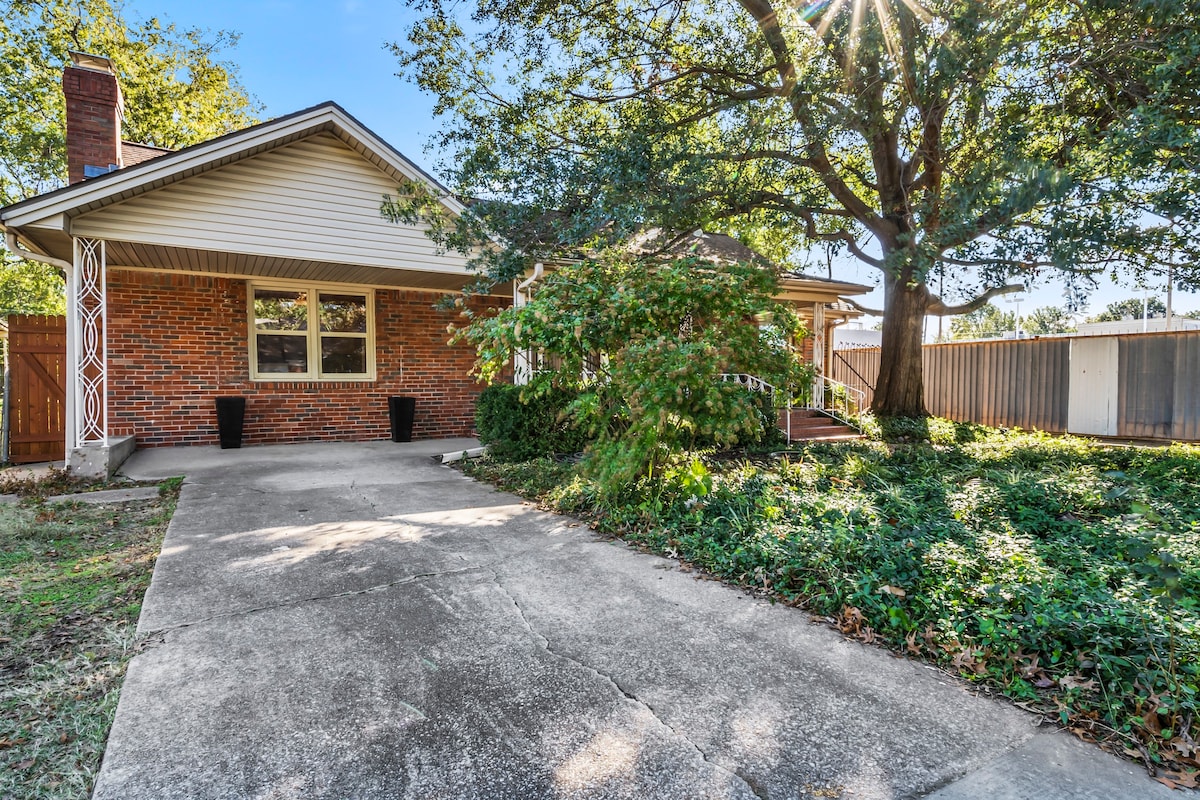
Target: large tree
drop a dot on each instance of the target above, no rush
(985, 322)
(975, 145)
(1048, 320)
(177, 90)
(1131, 308)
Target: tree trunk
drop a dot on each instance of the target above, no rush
(900, 389)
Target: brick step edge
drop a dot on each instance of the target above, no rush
(813, 422)
(848, 436)
(829, 430)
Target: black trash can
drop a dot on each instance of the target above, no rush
(231, 417)
(401, 411)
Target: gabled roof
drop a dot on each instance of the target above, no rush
(133, 153)
(169, 168)
(723, 248)
(841, 287)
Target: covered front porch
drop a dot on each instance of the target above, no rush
(256, 265)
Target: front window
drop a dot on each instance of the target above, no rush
(309, 332)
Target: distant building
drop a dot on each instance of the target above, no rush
(848, 338)
(1131, 325)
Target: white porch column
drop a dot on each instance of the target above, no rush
(87, 344)
(522, 363)
(818, 357)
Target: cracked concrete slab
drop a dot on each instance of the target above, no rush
(354, 621)
(452, 698)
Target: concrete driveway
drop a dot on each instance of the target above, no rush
(356, 621)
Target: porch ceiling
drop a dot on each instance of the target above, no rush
(179, 259)
(243, 265)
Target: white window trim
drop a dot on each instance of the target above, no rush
(313, 290)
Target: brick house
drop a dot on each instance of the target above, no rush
(256, 264)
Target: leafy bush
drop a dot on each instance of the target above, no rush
(518, 428)
(668, 331)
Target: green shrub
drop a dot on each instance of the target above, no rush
(517, 428)
(668, 330)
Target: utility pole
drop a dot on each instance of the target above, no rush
(1170, 287)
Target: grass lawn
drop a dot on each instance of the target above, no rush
(1062, 573)
(72, 578)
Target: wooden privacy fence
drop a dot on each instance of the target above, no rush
(1139, 386)
(36, 401)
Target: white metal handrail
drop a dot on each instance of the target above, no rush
(836, 399)
(751, 382)
(757, 384)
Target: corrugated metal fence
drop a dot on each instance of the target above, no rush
(1027, 383)
(1159, 386)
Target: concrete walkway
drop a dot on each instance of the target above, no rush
(356, 621)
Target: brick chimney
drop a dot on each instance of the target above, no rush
(94, 114)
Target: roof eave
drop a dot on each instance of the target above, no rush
(823, 285)
(173, 167)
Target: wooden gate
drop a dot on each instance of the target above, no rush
(37, 352)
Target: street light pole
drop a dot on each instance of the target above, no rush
(1016, 299)
(1170, 287)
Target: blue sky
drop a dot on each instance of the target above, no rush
(297, 53)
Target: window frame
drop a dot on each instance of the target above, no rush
(313, 334)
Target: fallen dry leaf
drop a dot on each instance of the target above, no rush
(1180, 780)
(895, 591)
(1077, 682)
(1182, 747)
(851, 620)
(965, 661)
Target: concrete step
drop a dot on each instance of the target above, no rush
(808, 426)
(810, 422)
(828, 433)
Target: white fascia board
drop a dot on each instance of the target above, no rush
(199, 158)
(820, 285)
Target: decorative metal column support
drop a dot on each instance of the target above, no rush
(522, 360)
(89, 372)
(818, 356)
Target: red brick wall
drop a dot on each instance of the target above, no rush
(178, 341)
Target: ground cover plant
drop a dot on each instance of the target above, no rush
(1063, 573)
(72, 577)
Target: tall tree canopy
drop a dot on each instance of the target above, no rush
(985, 322)
(177, 89)
(1131, 308)
(1048, 319)
(975, 145)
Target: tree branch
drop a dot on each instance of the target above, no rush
(760, 155)
(767, 20)
(935, 306)
(874, 312)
